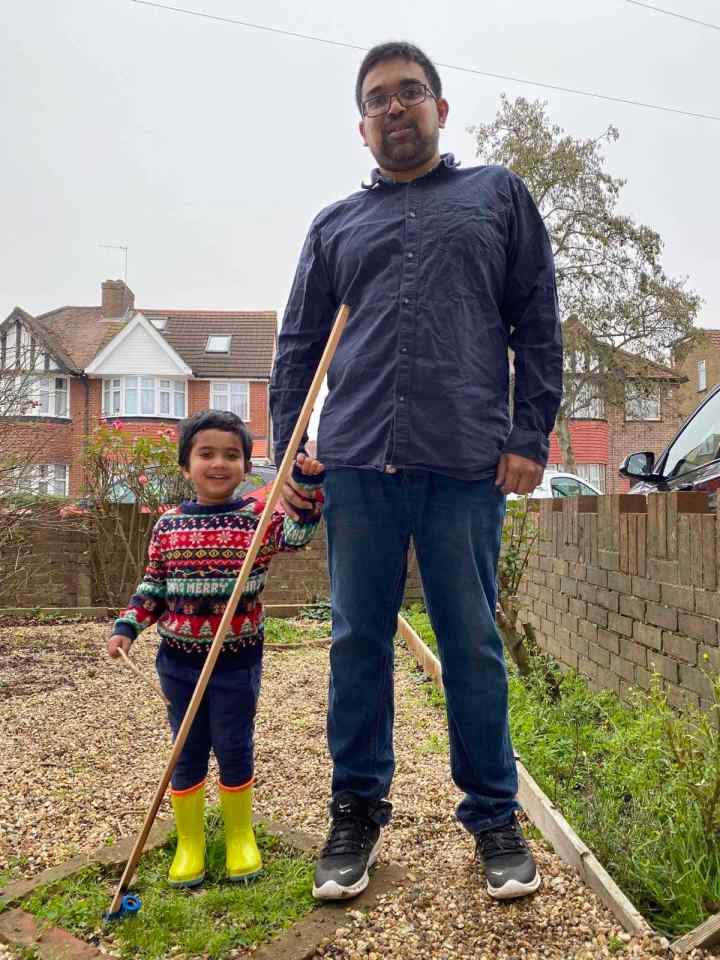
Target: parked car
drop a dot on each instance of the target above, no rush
(690, 462)
(257, 484)
(556, 483)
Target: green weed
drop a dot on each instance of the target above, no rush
(291, 633)
(435, 744)
(637, 781)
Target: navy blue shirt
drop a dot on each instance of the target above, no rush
(441, 274)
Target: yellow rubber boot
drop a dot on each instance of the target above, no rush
(188, 866)
(242, 856)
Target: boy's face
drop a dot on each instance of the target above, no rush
(217, 466)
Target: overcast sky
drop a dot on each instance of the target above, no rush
(207, 147)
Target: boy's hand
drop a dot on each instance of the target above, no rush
(116, 641)
(309, 466)
(291, 497)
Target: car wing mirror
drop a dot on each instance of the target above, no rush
(639, 466)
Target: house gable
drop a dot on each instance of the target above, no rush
(138, 349)
(24, 345)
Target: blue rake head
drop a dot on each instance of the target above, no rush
(129, 904)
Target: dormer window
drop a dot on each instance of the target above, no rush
(218, 344)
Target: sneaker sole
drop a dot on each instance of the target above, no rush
(513, 889)
(330, 890)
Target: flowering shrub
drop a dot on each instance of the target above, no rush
(129, 482)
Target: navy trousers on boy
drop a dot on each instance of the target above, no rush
(456, 528)
(224, 723)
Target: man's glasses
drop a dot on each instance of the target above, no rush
(409, 95)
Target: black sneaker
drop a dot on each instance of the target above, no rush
(509, 866)
(352, 847)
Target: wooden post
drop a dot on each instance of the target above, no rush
(214, 651)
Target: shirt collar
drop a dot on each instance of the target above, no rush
(447, 162)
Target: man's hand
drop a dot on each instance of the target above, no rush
(517, 474)
(118, 640)
(291, 497)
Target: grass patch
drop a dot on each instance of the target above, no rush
(210, 920)
(636, 781)
(435, 744)
(292, 633)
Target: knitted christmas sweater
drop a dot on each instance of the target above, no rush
(194, 557)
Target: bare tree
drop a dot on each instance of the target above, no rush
(20, 450)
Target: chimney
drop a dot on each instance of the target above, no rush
(117, 299)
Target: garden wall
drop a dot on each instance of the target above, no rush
(621, 586)
(58, 569)
(44, 562)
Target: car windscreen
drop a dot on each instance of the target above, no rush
(698, 443)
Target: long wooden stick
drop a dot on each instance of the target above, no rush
(214, 651)
(155, 687)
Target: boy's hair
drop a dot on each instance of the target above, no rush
(212, 420)
(397, 50)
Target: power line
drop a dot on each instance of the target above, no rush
(446, 66)
(671, 13)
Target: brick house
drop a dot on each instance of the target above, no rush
(603, 434)
(146, 367)
(701, 366)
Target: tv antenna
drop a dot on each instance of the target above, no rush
(117, 246)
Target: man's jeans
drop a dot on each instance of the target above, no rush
(224, 723)
(456, 528)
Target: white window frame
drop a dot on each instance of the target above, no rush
(586, 406)
(218, 336)
(701, 376)
(45, 479)
(219, 388)
(31, 394)
(645, 400)
(145, 391)
(594, 473)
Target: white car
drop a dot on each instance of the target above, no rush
(555, 483)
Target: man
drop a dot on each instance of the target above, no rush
(443, 269)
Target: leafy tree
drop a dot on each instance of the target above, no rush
(626, 312)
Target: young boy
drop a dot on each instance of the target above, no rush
(194, 556)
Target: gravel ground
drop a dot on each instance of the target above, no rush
(85, 742)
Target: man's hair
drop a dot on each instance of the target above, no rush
(212, 420)
(397, 50)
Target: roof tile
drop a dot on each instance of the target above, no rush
(81, 332)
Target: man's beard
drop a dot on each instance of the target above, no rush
(406, 153)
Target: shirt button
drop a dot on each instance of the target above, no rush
(402, 399)
(412, 214)
(410, 256)
(406, 300)
(403, 350)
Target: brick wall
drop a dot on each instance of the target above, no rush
(259, 419)
(708, 349)
(621, 586)
(303, 576)
(55, 564)
(633, 436)
(62, 576)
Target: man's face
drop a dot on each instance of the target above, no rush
(405, 138)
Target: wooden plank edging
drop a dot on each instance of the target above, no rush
(547, 818)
